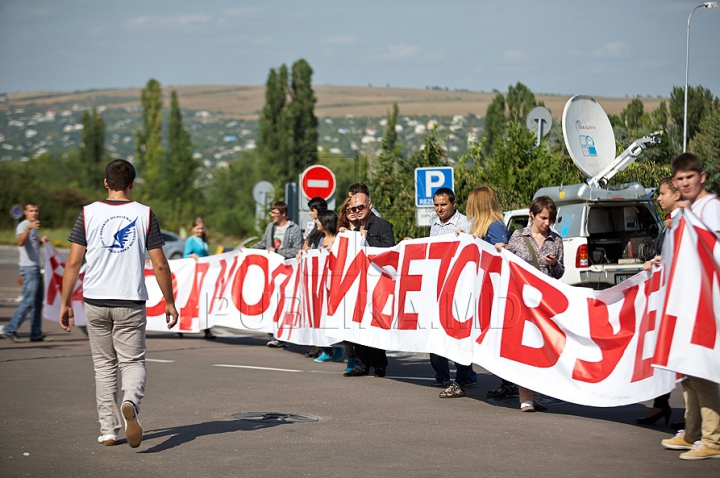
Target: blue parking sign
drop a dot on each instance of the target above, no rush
(429, 180)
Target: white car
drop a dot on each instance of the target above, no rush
(607, 233)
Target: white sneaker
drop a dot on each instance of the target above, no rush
(133, 430)
(107, 440)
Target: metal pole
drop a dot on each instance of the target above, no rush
(687, 64)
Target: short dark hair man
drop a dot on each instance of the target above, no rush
(448, 221)
(113, 236)
(29, 241)
(701, 436)
(282, 235)
(378, 233)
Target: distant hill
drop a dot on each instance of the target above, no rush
(246, 101)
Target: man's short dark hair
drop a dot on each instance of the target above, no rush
(358, 188)
(687, 162)
(119, 174)
(445, 192)
(280, 206)
(318, 203)
(31, 203)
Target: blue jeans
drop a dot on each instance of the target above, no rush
(464, 373)
(32, 302)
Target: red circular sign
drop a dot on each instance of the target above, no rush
(318, 181)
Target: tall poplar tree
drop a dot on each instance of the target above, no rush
(301, 120)
(178, 170)
(92, 150)
(495, 123)
(273, 138)
(148, 149)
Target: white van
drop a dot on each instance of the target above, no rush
(607, 233)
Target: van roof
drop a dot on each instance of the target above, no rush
(584, 192)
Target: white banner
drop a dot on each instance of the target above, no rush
(457, 297)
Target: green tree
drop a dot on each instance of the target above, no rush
(707, 146)
(390, 144)
(273, 137)
(148, 147)
(92, 150)
(520, 100)
(632, 115)
(700, 101)
(178, 172)
(495, 123)
(301, 121)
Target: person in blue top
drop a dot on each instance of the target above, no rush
(483, 209)
(196, 245)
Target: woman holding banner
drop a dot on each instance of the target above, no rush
(542, 247)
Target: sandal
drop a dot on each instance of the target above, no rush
(453, 391)
(504, 391)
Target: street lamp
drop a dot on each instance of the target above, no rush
(687, 63)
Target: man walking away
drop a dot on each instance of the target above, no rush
(113, 235)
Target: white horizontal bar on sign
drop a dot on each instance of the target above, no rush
(256, 368)
(318, 183)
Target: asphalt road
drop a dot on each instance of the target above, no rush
(366, 427)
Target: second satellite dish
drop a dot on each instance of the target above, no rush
(588, 135)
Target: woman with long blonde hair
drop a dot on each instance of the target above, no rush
(483, 210)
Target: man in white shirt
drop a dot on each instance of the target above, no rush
(702, 397)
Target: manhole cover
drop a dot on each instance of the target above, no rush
(274, 417)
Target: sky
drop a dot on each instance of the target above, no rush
(613, 48)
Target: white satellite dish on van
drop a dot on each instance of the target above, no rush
(588, 135)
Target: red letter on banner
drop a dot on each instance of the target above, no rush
(444, 251)
(237, 288)
(612, 345)
(340, 284)
(383, 290)
(222, 281)
(642, 368)
(705, 328)
(553, 302)
(191, 309)
(490, 264)
(159, 308)
(453, 327)
(409, 283)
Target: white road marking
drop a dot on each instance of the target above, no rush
(410, 378)
(159, 360)
(257, 368)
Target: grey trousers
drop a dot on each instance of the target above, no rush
(117, 342)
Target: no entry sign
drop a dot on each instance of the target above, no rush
(318, 181)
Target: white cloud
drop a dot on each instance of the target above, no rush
(613, 49)
(514, 55)
(239, 12)
(342, 40)
(169, 21)
(402, 52)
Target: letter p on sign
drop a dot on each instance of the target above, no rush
(429, 180)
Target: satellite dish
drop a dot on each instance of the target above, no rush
(539, 118)
(588, 135)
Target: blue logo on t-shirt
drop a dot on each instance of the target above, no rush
(124, 234)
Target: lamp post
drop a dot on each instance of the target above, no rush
(687, 64)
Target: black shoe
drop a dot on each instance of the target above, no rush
(442, 383)
(380, 372)
(664, 413)
(677, 425)
(13, 337)
(469, 384)
(504, 391)
(43, 338)
(356, 372)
